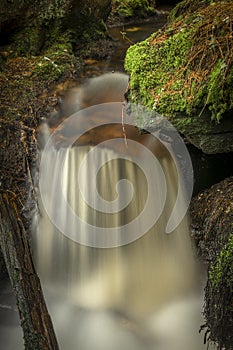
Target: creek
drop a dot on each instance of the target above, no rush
(141, 292)
(112, 274)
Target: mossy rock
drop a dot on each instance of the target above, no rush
(185, 72)
(46, 47)
(212, 228)
(30, 27)
(128, 9)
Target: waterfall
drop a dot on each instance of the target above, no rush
(114, 278)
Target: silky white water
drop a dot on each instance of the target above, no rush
(110, 289)
(141, 295)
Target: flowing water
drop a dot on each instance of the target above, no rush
(139, 295)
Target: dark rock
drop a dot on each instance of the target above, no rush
(212, 218)
(206, 134)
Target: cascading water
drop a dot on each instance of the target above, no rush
(135, 286)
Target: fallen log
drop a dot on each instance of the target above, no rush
(35, 320)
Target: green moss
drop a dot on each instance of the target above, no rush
(52, 10)
(186, 8)
(55, 21)
(223, 266)
(47, 69)
(134, 8)
(174, 72)
(28, 78)
(28, 41)
(57, 60)
(221, 97)
(182, 124)
(95, 31)
(154, 74)
(216, 93)
(49, 50)
(46, 19)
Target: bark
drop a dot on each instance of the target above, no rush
(18, 150)
(3, 272)
(35, 320)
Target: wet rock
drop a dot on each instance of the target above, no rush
(206, 134)
(212, 218)
(130, 10)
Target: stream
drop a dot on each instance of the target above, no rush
(142, 295)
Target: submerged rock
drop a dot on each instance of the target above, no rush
(184, 71)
